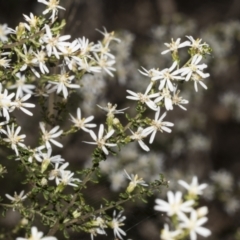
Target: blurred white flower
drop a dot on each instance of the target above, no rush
(194, 225)
(232, 205)
(4, 62)
(202, 211)
(85, 65)
(35, 235)
(32, 20)
(4, 31)
(193, 188)
(175, 204)
(196, 44)
(111, 109)
(174, 45)
(6, 104)
(166, 234)
(17, 197)
(116, 178)
(222, 179)
(52, 6)
(198, 142)
(108, 36)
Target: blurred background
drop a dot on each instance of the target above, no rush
(205, 140)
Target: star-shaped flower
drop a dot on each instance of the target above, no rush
(158, 125)
(100, 141)
(82, 123)
(175, 204)
(48, 137)
(193, 188)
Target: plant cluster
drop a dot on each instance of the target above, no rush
(41, 69)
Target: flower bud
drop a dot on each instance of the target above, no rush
(202, 211)
(44, 182)
(45, 164)
(76, 214)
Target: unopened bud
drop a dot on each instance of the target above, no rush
(44, 182)
(202, 211)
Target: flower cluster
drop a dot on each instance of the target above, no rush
(189, 217)
(37, 61)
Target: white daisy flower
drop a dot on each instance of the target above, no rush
(32, 20)
(196, 43)
(105, 63)
(178, 100)
(45, 158)
(158, 125)
(4, 62)
(48, 137)
(138, 136)
(173, 46)
(166, 96)
(55, 173)
(144, 98)
(39, 61)
(100, 141)
(21, 86)
(116, 223)
(14, 139)
(82, 123)
(62, 83)
(17, 197)
(66, 178)
(6, 104)
(167, 75)
(194, 67)
(111, 109)
(19, 104)
(52, 6)
(54, 42)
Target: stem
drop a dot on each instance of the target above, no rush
(54, 229)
